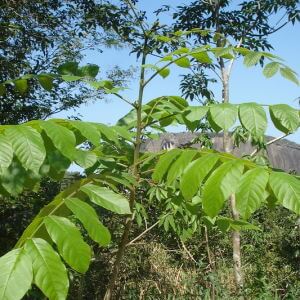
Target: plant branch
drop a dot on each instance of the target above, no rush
(188, 252)
(276, 29)
(164, 67)
(270, 143)
(142, 234)
(233, 59)
(124, 99)
(137, 17)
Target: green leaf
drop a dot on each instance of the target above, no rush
(223, 52)
(252, 58)
(36, 228)
(225, 224)
(87, 130)
(163, 164)
(50, 274)
(16, 275)
(90, 70)
(182, 62)
(85, 159)
(6, 152)
(108, 132)
(179, 51)
(202, 57)
(21, 86)
(70, 78)
(124, 133)
(250, 192)
(88, 217)
(164, 72)
(62, 138)
(195, 113)
(68, 68)
(253, 118)
(195, 173)
(129, 120)
(103, 84)
(107, 198)
(13, 178)
(58, 163)
(285, 118)
(286, 189)
(46, 82)
(220, 185)
(69, 242)
(243, 225)
(178, 166)
(289, 74)
(162, 38)
(28, 146)
(2, 90)
(223, 115)
(271, 69)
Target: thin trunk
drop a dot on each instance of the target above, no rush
(236, 236)
(211, 262)
(135, 172)
(236, 246)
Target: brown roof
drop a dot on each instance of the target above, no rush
(282, 154)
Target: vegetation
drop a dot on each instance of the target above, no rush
(193, 198)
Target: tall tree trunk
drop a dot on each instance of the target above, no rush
(236, 236)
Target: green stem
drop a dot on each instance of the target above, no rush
(164, 67)
(135, 173)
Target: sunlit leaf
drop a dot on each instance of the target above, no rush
(106, 198)
(286, 189)
(88, 217)
(69, 242)
(195, 173)
(28, 146)
(50, 274)
(284, 117)
(16, 275)
(250, 192)
(253, 118)
(220, 185)
(223, 115)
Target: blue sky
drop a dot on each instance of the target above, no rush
(246, 84)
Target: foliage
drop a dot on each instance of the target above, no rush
(118, 175)
(248, 23)
(157, 265)
(17, 212)
(37, 38)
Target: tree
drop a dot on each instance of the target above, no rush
(118, 174)
(248, 24)
(37, 37)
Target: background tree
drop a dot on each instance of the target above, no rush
(247, 23)
(37, 37)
